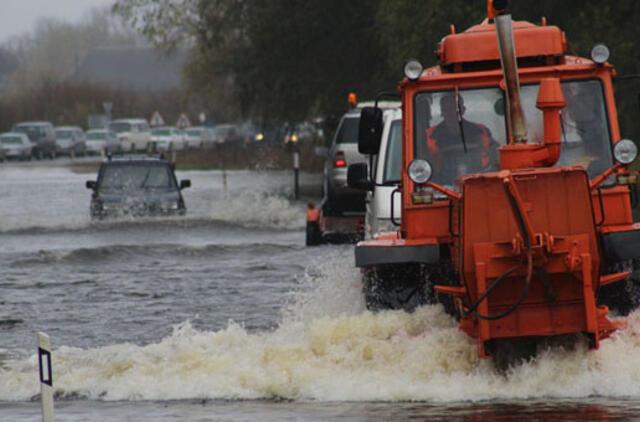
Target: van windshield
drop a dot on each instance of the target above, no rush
(119, 127)
(33, 132)
(348, 132)
(393, 157)
(461, 134)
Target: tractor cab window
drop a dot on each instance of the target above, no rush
(460, 132)
(585, 129)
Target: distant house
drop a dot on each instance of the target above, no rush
(138, 68)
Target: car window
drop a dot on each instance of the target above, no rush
(95, 136)
(135, 176)
(11, 140)
(161, 132)
(393, 157)
(64, 134)
(348, 132)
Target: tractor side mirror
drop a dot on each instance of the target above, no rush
(370, 130)
(357, 177)
(186, 183)
(91, 184)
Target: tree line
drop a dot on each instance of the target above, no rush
(292, 59)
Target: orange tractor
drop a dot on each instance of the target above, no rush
(516, 192)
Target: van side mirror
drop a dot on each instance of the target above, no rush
(186, 183)
(91, 184)
(358, 177)
(370, 130)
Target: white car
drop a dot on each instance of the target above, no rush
(167, 138)
(199, 137)
(134, 134)
(101, 141)
(70, 140)
(387, 177)
(15, 145)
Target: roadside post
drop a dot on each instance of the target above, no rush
(46, 378)
(296, 173)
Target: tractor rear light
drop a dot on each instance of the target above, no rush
(422, 198)
(627, 179)
(625, 151)
(339, 160)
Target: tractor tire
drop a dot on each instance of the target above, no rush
(622, 297)
(396, 287)
(313, 235)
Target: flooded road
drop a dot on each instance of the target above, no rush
(224, 314)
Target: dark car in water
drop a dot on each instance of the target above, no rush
(136, 187)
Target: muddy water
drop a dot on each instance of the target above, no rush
(225, 315)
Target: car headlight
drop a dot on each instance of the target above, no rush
(625, 151)
(420, 171)
(413, 69)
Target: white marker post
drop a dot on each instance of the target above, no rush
(46, 379)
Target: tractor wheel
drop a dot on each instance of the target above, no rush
(506, 353)
(313, 236)
(623, 297)
(396, 286)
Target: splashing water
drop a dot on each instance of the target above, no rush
(259, 209)
(329, 348)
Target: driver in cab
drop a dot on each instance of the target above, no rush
(456, 145)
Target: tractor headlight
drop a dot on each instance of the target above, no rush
(600, 53)
(625, 151)
(413, 69)
(420, 171)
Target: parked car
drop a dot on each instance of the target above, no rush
(103, 140)
(134, 134)
(167, 138)
(71, 140)
(343, 152)
(227, 133)
(136, 187)
(199, 136)
(15, 145)
(42, 136)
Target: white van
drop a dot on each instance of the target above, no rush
(387, 177)
(134, 134)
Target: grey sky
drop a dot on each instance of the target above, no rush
(20, 16)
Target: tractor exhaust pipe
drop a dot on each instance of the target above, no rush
(506, 46)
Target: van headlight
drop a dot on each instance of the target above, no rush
(420, 171)
(625, 151)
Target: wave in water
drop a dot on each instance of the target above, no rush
(257, 208)
(328, 348)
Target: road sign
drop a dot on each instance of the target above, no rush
(183, 121)
(156, 119)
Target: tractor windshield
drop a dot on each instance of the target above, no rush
(460, 133)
